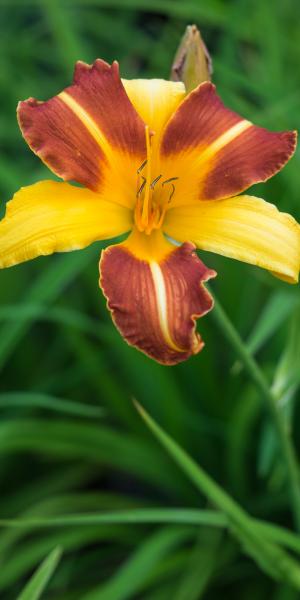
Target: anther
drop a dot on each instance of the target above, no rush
(173, 186)
(172, 193)
(141, 187)
(142, 166)
(154, 182)
(169, 180)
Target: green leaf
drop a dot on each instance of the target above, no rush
(133, 575)
(50, 284)
(67, 317)
(34, 400)
(285, 385)
(142, 516)
(204, 560)
(284, 439)
(287, 375)
(35, 587)
(274, 313)
(91, 442)
(270, 557)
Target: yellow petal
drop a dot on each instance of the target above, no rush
(242, 227)
(155, 100)
(52, 217)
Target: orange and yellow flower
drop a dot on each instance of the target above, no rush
(165, 166)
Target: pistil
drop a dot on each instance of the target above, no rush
(146, 207)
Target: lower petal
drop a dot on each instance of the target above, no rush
(52, 217)
(244, 227)
(155, 293)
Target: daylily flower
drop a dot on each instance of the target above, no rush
(165, 166)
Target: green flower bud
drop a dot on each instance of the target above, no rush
(192, 63)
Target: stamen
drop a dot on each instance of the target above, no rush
(173, 186)
(141, 187)
(169, 180)
(151, 205)
(172, 193)
(154, 182)
(142, 166)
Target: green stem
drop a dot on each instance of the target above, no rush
(284, 438)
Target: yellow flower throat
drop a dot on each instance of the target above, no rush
(151, 201)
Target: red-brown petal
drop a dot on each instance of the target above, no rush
(253, 156)
(76, 132)
(227, 152)
(155, 305)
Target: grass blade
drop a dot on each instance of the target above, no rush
(271, 558)
(283, 434)
(35, 400)
(204, 561)
(35, 587)
(49, 286)
(275, 312)
(131, 577)
(146, 516)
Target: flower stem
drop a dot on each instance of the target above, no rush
(287, 448)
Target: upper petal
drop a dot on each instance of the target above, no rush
(52, 217)
(218, 153)
(155, 100)
(155, 293)
(245, 228)
(85, 130)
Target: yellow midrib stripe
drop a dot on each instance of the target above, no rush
(161, 302)
(224, 139)
(87, 121)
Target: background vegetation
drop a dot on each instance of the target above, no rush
(79, 467)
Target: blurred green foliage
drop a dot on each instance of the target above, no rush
(71, 442)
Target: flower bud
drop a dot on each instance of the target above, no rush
(192, 63)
